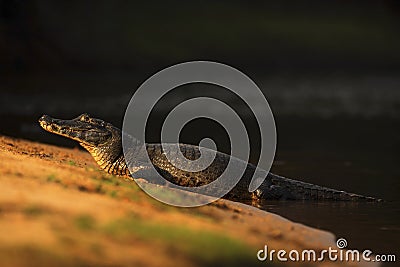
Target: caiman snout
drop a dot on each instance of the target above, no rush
(81, 129)
(46, 122)
(45, 119)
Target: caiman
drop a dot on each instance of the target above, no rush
(104, 143)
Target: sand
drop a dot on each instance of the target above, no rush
(57, 208)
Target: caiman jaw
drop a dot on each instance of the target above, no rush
(86, 133)
(58, 127)
(46, 122)
(50, 125)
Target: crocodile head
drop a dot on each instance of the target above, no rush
(88, 131)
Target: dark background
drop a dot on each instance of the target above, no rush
(329, 69)
(260, 37)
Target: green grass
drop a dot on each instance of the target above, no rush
(201, 246)
(96, 249)
(85, 222)
(113, 194)
(171, 195)
(71, 163)
(99, 189)
(53, 178)
(33, 210)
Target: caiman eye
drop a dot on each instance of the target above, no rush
(85, 117)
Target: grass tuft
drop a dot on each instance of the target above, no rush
(202, 246)
(85, 222)
(53, 178)
(33, 210)
(71, 163)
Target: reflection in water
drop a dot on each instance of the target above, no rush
(373, 226)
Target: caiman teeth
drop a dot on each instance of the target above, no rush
(45, 126)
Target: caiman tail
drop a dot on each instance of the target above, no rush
(279, 187)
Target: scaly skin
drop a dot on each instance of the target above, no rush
(104, 143)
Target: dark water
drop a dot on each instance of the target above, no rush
(354, 155)
(345, 150)
(373, 226)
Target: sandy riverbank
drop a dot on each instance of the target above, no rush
(57, 208)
